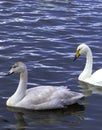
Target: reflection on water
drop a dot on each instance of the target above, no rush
(89, 89)
(72, 115)
(21, 124)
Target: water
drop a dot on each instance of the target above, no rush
(44, 34)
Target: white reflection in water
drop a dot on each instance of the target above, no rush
(89, 89)
(70, 116)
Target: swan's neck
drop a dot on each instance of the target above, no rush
(88, 67)
(21, 90)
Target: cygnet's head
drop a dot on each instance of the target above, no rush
(18, 67)
(81, 49)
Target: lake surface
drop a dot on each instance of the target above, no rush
(44, 35)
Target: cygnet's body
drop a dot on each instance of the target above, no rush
(41, 97)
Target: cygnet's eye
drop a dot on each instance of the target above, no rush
(14, 66)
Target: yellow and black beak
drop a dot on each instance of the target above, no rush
(76, 55)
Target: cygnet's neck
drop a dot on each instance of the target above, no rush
(88, 67)
(22, 86)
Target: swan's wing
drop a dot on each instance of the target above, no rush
(46, 93)
(96, 77)
(36, 95)
(41, 94)
(48, 97)
(97, 74)
(39, 88)
(73, 97)
(59, 99)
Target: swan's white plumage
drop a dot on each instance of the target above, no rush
(86, 75)
(41, 97)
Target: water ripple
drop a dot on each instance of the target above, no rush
(44, 35)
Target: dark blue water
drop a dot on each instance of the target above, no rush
(44, 34)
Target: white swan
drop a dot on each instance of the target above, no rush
(39, 98)
(86, 75)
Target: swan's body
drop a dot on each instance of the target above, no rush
(86, 75)
(42, 97)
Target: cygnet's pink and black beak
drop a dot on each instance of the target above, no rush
(9, 73)
(76, 55)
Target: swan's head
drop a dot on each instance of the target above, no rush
(81, 49)
(18, 67)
